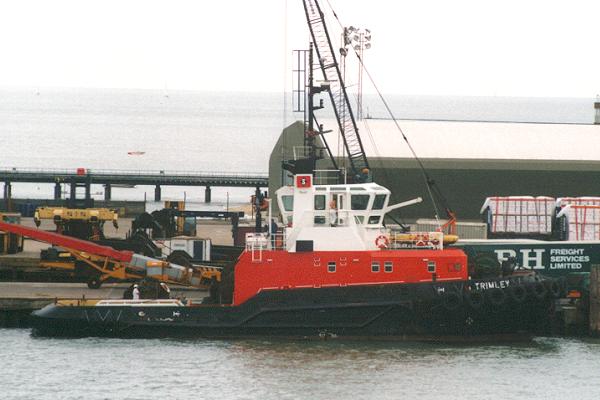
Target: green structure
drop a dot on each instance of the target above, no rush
(468, 161)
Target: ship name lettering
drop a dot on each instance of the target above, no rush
(492, 285)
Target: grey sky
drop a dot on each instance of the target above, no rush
(458, 47)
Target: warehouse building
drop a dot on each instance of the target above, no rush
(468, 161)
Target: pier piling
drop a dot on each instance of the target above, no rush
(7, 190)
(57, 191)
(595, 300)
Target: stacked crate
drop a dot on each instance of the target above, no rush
(519, 216)
(578, 218)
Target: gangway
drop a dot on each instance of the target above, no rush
(110, 263)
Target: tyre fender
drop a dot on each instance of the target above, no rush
(539, 290)
(553, 288)
(517, 293)
(451, 301)
(495, 296)
(474, 299)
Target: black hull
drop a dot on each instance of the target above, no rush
(424, 311)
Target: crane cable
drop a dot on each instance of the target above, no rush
(429, 182)
(386, 176)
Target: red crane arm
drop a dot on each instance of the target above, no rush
(67, 241)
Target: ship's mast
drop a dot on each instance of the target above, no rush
(359, 165)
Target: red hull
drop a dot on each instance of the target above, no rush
(284, 270)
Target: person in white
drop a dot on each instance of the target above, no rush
(333, 212)
(136, 292)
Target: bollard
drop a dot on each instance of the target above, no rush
(595, 300)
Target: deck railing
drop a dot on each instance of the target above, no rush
(256, 243)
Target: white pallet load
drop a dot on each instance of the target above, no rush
(582, 221)
(519, 214)
(580, 201)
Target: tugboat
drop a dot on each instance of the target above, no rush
(334, 271)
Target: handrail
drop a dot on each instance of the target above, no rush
(264, 241)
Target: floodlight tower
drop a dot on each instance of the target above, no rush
(360, 40)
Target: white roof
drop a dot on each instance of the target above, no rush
(476, 140)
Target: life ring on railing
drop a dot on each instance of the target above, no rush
(421, 240)
(382, 242)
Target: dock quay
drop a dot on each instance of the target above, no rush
(19, 299)
(82, 177)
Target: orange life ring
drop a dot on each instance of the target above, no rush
(421, 240)
(382, 242)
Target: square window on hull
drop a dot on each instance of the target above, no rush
(331, 267)
(431, 267)
(388, 266)
(375, 266)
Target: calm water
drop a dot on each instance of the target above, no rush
(40, 368)
(235, 132)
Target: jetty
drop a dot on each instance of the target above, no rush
(82, 177)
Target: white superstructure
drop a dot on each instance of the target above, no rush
(335, 217)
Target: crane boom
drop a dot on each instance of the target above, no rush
(111, 263)
(337, 89)
(68, 242)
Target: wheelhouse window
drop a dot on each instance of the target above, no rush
(359, 201)
(375, 266)
(331, 266)
(288, 203)
(388, 266)
(379, 201)
(360, 219)
(374, 219)
(319, 202)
